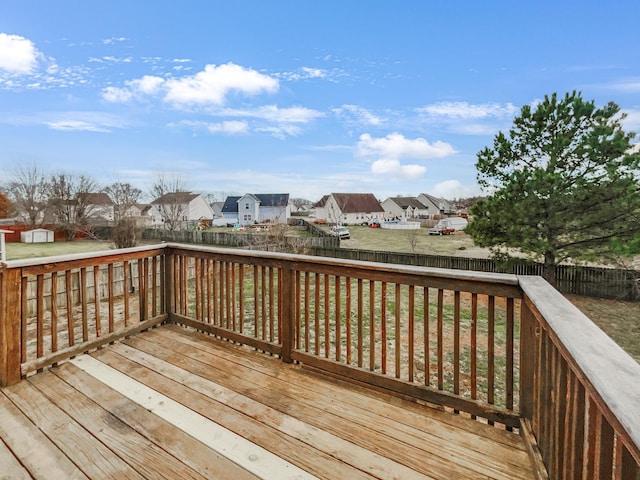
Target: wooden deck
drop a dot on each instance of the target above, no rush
(172, 403)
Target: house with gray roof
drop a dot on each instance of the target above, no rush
(252, 208)
(404, 208)
(437, 206)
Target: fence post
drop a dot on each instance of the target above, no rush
(287, 317)
(10, 325)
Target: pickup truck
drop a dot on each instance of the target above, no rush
(441, 230)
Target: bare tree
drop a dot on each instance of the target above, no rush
(170, 198)
(69, 201)
(124, 196)
(28, 190)
(412, 237)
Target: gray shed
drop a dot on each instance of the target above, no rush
(38, 235)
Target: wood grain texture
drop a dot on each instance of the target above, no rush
(320, 424)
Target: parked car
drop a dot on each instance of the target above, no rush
(441, 230)
(447, 226)
(341, 232)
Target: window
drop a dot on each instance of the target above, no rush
(247, 218)
(246, 206)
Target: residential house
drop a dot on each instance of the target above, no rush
(100, 208)
(349, 208)
(179, 210)
(217, 209)
(141, 213)
(254, 208)
(403, 208)
(437, 206)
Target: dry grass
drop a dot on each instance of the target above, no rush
(17, 251)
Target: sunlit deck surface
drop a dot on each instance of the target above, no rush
(173, 403)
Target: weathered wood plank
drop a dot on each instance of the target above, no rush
(390, 406)
(36, 452)
(10, 467)
(352, 423)
(174, 441)
(144, 456)
(612, 374)
(94, 458)
(311, 438)
(253, 452)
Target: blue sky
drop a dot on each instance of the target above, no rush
(300, 97)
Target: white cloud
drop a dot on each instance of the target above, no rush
(632, 121)
(117, 95)
(631, 85)
(451, 189)
(76, 125)
(212, 85)
(148, 84)
(228, 127)
(464, 110)
(281, 131)
(17, 54)
(305, 73)
(388, 152)
(209, 87)
(393, 168)
(396, 145)
(110, 41)
(357, 115)
(287, 115)
(231, 127)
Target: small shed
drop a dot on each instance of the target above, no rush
(38, 235)
(3, 248)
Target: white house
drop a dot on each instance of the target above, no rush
(436, 206)
(179, 210)
(141, 213)
(403, 208)
(257, 208)
(349, 208)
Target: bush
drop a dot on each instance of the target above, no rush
(126, 233)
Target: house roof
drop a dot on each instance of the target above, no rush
(273, 199)
(99, 198)
(357, 202)
(437, 202)
(230, 205)
(406, 202)
(175, 198)
(322, 202)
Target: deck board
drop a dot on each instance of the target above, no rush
(358, 418)
(39, 455)
(70, 420)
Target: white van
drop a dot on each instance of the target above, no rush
(447, 226)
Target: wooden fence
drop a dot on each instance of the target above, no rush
(597, 282)
(261, 241)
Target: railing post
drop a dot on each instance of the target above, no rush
(288, 312)
(10, 325)
(168, 287)
(528, 360)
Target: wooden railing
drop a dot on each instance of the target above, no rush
(508, 350)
